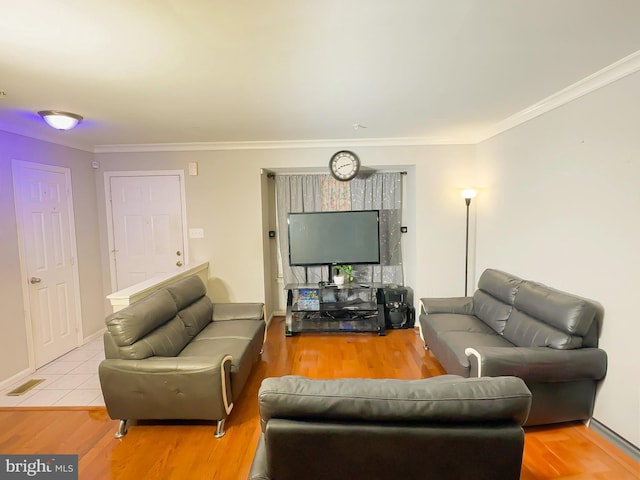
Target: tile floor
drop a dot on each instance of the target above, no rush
(70, 381)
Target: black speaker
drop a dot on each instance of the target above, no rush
(398, 307)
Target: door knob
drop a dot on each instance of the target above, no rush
(179, 263)
(35, 280)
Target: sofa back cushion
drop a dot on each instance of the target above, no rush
(165, 341)
(547, 317)
(186, 291)
(197, 315)
(525, 331)
(133, 322)
(195, 308)
(492, 302)
(148, 327)
(163, 323)
(436, 400)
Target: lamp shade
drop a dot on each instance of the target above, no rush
(60, 120)
(469, 193)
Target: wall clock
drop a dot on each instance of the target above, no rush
(344, 165)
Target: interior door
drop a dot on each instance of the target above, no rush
(48, 254)
(148, 228)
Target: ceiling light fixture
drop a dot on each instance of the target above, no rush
(60, 120)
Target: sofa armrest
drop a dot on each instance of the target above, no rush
(125, 383)
(461, 305)
(259, 470)
(238, 311)
(538, 364)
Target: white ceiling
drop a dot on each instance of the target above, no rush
(186, 71)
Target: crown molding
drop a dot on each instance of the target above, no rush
(57, 140)
(623, 67)
(272, 145)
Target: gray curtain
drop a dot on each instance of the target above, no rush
(296, 193)
(382, 191)
(378, 191)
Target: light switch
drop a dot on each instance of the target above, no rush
(196, 233)
(193, 168)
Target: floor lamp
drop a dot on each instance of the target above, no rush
(467, 194)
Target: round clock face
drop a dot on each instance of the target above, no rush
(344, 165)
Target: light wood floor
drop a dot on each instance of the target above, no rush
(189, 451)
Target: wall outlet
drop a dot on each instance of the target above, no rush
(196, 233)
(193, 168)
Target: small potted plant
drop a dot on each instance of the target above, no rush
(344, 272)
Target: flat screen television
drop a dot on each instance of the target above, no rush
(334, 238)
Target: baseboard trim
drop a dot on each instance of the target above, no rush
(15, 378)
(624, 445)
(94, 336)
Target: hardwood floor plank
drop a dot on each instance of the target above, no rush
(188, 450)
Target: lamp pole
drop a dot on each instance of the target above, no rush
(467, 194)
(466, 249)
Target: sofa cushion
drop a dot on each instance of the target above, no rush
(197, 315)
(563, 311)
(242, 350)
(165, 341)
(134, 322)
(526, 331)
(233, 329)
(500, 285)
(187, 290)
(443, 399)
(490, 310)
(203, 346)
(493, 300)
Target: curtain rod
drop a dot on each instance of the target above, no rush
(273, 175)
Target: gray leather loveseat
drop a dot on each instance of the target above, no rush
(369, 429)
(176, 355)
(512, 326)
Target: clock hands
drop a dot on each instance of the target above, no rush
(344, 165)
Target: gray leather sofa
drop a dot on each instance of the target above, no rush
(176, 355)
(368, 429)
(512, 326)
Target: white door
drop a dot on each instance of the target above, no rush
(148, 227)
(48, 256)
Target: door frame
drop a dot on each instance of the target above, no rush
(107, 197)
(24, 274)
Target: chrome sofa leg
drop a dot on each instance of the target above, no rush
(122, 429)
(220, 429)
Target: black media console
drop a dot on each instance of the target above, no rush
(351, 307)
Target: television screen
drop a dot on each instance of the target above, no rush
(334, 238)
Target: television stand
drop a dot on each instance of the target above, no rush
(347, 308)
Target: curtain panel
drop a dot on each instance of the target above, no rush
(322, 193)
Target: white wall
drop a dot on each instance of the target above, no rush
(227, 200)
(561, 205)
